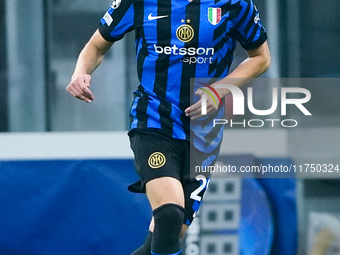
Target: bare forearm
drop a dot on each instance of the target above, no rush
(91, 56)
(256, 64)
(89, 59)
(251, 67)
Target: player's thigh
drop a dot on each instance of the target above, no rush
(164, 190)
(158, 160)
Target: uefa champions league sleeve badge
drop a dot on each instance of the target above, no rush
(115, 4)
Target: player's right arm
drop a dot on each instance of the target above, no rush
(89, 59)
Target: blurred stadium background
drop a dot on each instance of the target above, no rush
(52, 145)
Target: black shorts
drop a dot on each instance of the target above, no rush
(158, 155)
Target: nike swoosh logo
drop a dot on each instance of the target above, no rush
(150, 17)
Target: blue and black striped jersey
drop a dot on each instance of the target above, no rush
(177, 40)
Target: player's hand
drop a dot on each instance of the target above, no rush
(195, 111)
(79, 88)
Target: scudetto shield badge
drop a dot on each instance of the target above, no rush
(214, 15)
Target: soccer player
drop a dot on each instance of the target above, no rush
(175, 41)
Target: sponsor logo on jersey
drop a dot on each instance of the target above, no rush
(115, 4)
(190, 55)
(191, 51)
(156, 160)
(185, 33)
(214, 15)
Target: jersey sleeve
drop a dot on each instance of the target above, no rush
(117, 21)
(248, 28)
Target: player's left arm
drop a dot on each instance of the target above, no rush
(257, 62)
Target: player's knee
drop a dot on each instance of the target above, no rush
(169, 214)
(168, 224)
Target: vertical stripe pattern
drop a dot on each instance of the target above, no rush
(177, 41)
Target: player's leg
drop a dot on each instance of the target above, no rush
(194, 189)
(158, 160)
(167, 201)
(183, 230)
(164, 190)
(145, 249)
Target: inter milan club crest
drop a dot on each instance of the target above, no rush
(185, 33)
(214, 15)
(156, 160)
